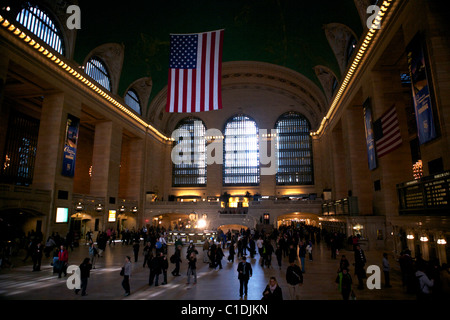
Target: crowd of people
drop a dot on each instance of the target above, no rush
(292, 243)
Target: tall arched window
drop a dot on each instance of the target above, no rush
(294, 152)
(132, 100)
(191, 146)
(37, 21)
(96, 69)
(241, 152)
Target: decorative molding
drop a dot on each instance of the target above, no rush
(326, 78)
(361, 6)
(338, 36)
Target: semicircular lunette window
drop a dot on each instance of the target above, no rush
(96, 69)
(39, 23)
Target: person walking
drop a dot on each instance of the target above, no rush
(146, 251)
(343, 263)
(63, 261)
(294, 278)
(231, 251)
(85, 270)
(386, 271)
(136, 250)
(126, 276)
(192, 268)
(360, 262)
(245, 272)
(279, 255)
(424, 283)
(272, 292)
(309, 249)
(302, 254)
(164, 266)
(153, 265)
(177, 260)
(205, 251)
(344, 281)
(37, 256)
(219, 256)
(93, 252)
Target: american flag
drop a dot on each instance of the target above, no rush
(195, 71)
(387, 133)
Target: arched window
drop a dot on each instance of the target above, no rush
(294, 151)
(96, 69)
(132, 100)
(191, 146)
(241, 152)
(37, 21)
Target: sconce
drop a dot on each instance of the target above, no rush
(79, 207)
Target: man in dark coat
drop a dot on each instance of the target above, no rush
(245, 271)
(37, 257)
(360, 262)
(85, 270)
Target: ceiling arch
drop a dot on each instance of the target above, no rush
(294, 92)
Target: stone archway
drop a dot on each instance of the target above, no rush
(300, 217)
(18, 222)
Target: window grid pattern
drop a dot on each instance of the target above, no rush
(42, 26)
(294, 150)
(241, 152)
(97, 71)
(194, 172)
(132, 100)
(20, 150)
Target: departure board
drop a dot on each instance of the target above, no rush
(427, 195)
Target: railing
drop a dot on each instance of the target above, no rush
(346, 206)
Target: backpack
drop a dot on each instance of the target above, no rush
(173, 259)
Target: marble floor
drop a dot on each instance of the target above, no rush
(21, 283)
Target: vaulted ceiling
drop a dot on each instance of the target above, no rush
(288, 33)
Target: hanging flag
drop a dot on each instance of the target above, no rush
(195, 71)
(368, 125)
(387, 132)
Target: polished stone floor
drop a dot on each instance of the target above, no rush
(21, 283)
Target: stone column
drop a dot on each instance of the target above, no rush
(357, 172)
(106, 165)
(49, 154)
(339, 189)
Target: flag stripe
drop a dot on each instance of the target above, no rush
(390, 137)
(195, 85)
